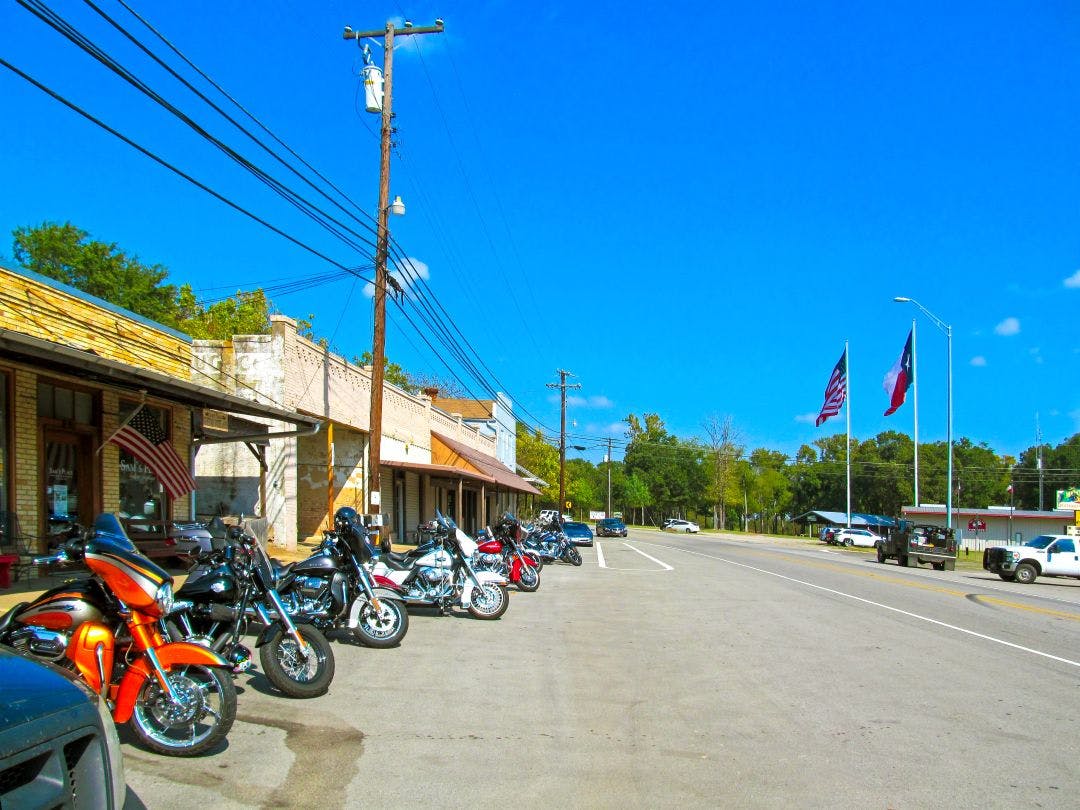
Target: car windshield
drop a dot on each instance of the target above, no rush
(1042, 541)
(571, 528)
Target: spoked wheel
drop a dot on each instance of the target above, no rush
(536, 558)
(489, 601)
(292, 671)
(529, 580)
(200, 718)
(382, 628)
(573, 556)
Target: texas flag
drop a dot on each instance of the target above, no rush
(899, 378)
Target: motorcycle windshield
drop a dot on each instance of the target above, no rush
(107, 526)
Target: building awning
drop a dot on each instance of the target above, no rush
(444, 470)
(44, 354)
(530, 476)
(485, 464)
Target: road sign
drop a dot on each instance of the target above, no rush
(569, 505)
(977, 525)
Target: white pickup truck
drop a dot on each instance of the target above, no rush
(1048, 555)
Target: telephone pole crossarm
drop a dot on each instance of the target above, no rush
(401, 32)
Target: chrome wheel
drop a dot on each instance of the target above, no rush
(201, 716)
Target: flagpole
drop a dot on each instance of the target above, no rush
(915, 403)
(122, 425)
(847, 369)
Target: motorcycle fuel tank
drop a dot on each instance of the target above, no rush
(66, 606)
(490, 547)
(212, 585)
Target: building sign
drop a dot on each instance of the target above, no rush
(1068, 498)
(977, 525)
(594, 515)
(215, 420)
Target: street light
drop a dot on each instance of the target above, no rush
(947, 330)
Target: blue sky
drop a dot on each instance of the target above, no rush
(691, 210)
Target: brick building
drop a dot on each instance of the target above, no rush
(309, 476)
(72, 369)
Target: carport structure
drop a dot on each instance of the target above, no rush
(859, 520)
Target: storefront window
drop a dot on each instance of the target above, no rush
(5, 464)
(141, 494)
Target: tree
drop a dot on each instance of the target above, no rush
(541, 459)
(637, 494)
(724, 444)
(68, 254)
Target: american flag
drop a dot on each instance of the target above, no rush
(144, 438)
(835, 391)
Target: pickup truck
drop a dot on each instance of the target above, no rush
(913, 544)
(1048, 555)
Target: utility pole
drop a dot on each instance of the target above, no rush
(1039, 459)
(608, 477)
(562, 385)
(378, 340)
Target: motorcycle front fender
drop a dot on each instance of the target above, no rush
(387, 593)
(481, 578)
(170, 655)
(515, 569)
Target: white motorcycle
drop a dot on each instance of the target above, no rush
(438, 573)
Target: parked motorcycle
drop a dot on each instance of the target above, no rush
(501, 551)
(552, 544)
(439, 573)
(177, 697)
(232, 588)
(333, 589)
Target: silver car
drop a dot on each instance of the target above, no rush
(679, 525)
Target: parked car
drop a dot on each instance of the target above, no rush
(579, 533)
(58, 744)
(680, 525)
(856, 537)
(610, 527)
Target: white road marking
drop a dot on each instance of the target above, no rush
(927, 619)
(665, 566)
(600, 555)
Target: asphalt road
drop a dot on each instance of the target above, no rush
(675, 671)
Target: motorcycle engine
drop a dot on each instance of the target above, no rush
(311, 596)
(434, 575)
(489, 559)
(47, 644)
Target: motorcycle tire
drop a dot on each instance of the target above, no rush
(286, 667)
(573, 556)
(382, 629)
(490, 601)
(529, 580)
(203, 719)
(537, 559)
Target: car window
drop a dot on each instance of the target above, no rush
(1064, 545)
(1042, 541)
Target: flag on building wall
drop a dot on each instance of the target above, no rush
(145, 439)
(899, 379)
(835, 391)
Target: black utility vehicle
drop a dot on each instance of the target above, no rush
(911, 544)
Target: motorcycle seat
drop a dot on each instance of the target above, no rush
(396, 562)
(280, 568)
(9, 617)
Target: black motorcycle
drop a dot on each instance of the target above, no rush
(234, 587)
(550, 543)
(331, 589)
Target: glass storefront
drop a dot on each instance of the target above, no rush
(141, 494)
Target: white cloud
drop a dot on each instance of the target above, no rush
(978, 360)
(1073, 281)
(576, 401)
(807, 418)
(1008, 327)
(408, 273)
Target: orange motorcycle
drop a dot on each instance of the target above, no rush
(178, 697)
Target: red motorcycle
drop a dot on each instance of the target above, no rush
(179, 698)
(502, 551)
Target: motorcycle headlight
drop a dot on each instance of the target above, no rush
(164, 598)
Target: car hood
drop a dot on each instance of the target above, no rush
(30, 689)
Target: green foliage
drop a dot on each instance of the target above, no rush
(392, 372)
(541, 459)
(68, 254)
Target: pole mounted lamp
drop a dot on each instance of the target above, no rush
(946, 329)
